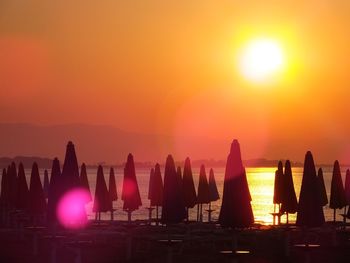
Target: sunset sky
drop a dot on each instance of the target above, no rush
(172, 68)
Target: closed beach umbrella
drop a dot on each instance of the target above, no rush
(337, 199)
(102, 200)
(130, 191)
(213, 192)
(70, 170)
(13, 185)
(36, 197)
(310, 211)
(289, 198)
(55, 191)
(23, 191)
(84, 182)
(189, 191)
(4, 188)
(347, 187)
(203, 192)
(236, 210)
(323, 192)
(46, 183)
(173, 208)
(150, 184)
(278, 186)
(112, 189)
(112, 186)
(155, 194)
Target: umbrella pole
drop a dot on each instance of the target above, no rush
(344, 218)
(209, 213)
(129, 216)
(156, 215)
(200, 214)
(287, 218)
(197, 212)
(334, 215)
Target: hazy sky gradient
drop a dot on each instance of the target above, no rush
(169, 67)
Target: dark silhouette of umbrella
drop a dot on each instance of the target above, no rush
(70, 170)
(112, 189)
(102, 200)
(310, 211)
(36, 197)
(23, 191)
(13, 185)
(130, 191)
(337, 199)
(323, 192)
(278, 187)
(4, 189)
(213, 191)
(203, 193)
(347, 187)
(173, 208)
(46, 184)
(55, 192)
(155, 190)
(236, 210)
(188, 188)
(289, 198)
(84, 182)
(112, 186)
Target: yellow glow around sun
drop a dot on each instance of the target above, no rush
(261, 60)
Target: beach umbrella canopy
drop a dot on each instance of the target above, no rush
(310, 211)
(173, 210)
(102, 201)
(36, 198)
(337, 199)
(84, 182)
(46, 184)
(213, 190)
(289, 198)
(130, 191)
(150, 184)
(347, 187)
(112, 186)
(23, 191)
(55, 191)
(278, 184)
(4, 188)
(189, 191)
(236, 210)
(203, 187)
(322, 187)
(155, 193)
(70, 170)
(13, 185)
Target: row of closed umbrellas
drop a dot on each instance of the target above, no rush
(177, 193)
(313, 195)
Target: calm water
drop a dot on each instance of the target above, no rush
(261, 181)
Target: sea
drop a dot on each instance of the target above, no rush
(260, 180)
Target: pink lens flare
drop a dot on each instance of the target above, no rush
(71, 209)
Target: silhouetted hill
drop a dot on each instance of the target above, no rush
(26, 161)
(102, 143)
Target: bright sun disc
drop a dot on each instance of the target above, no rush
(261, 60)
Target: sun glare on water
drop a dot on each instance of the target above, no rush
(261, 60)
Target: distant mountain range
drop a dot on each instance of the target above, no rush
(46, 163)
(103, 144)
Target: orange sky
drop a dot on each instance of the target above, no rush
(169, 67)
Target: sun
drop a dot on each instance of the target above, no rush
(261, 60)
